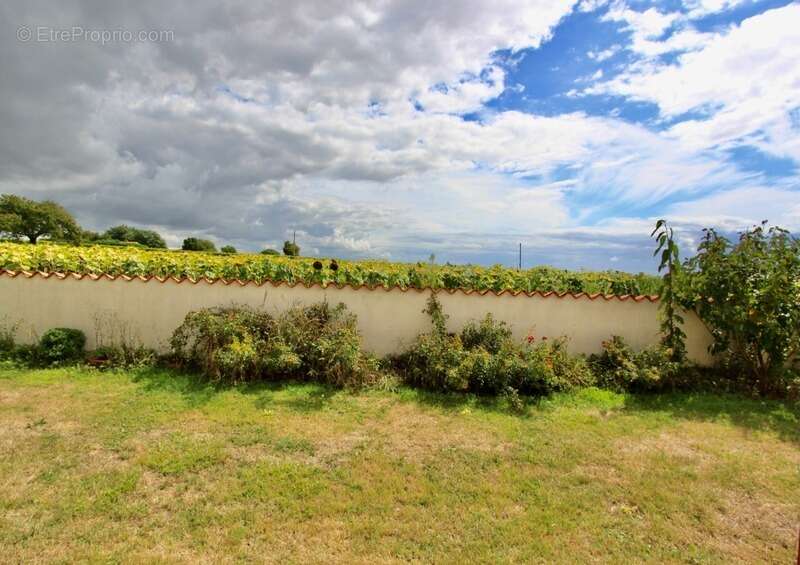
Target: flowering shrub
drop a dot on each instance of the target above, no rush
(485, 359)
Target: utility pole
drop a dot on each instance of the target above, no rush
(294, 237)
(520, 256)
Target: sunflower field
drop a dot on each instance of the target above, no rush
(133, 261)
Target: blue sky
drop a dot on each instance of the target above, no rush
(401, 129)
(584, 44)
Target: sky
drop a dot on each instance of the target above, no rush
(401, 129)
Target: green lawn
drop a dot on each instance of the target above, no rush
(155, 467)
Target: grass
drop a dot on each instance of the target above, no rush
(152, 466)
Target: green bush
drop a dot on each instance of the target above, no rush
(484, 359)
(432, 363)
(238, 344)
(60, 346)
(488, 334)
(748, 295)
(618, 367)
(328, 344)
(270, 252)
(197, 244)
(212, 339)
(228, 250)
(549, 368)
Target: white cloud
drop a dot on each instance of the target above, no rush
(741, 208)
(646, 25)
(605, 54)
(466, 95)
(747, 78)
(655, 33)
(700, 8)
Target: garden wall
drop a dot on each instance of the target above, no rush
(148, 310)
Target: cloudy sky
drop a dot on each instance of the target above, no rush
(398, 129)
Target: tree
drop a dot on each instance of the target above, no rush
(270, 252)
(748, 294)
(197, 244)
(673, 337)
(228, 249)
(89, 235)
(291, 249)
(23, 217)
(148, 238)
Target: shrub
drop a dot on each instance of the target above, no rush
(239, 344)
(548, 367)
(484, 359)
(270, 252)
(432, 363)
(748, 294)
(212, 339)
(61, 345)
(488, 334)
(618, 367)
(197, 244)
(327, 343)
(228, 249)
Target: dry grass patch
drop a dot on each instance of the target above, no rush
(417, 435)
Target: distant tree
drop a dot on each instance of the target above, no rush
(291, 249)
(197, 244)
(89, 235)
(23, 217)
(148, 238)
(228, 249)
(270, 252)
